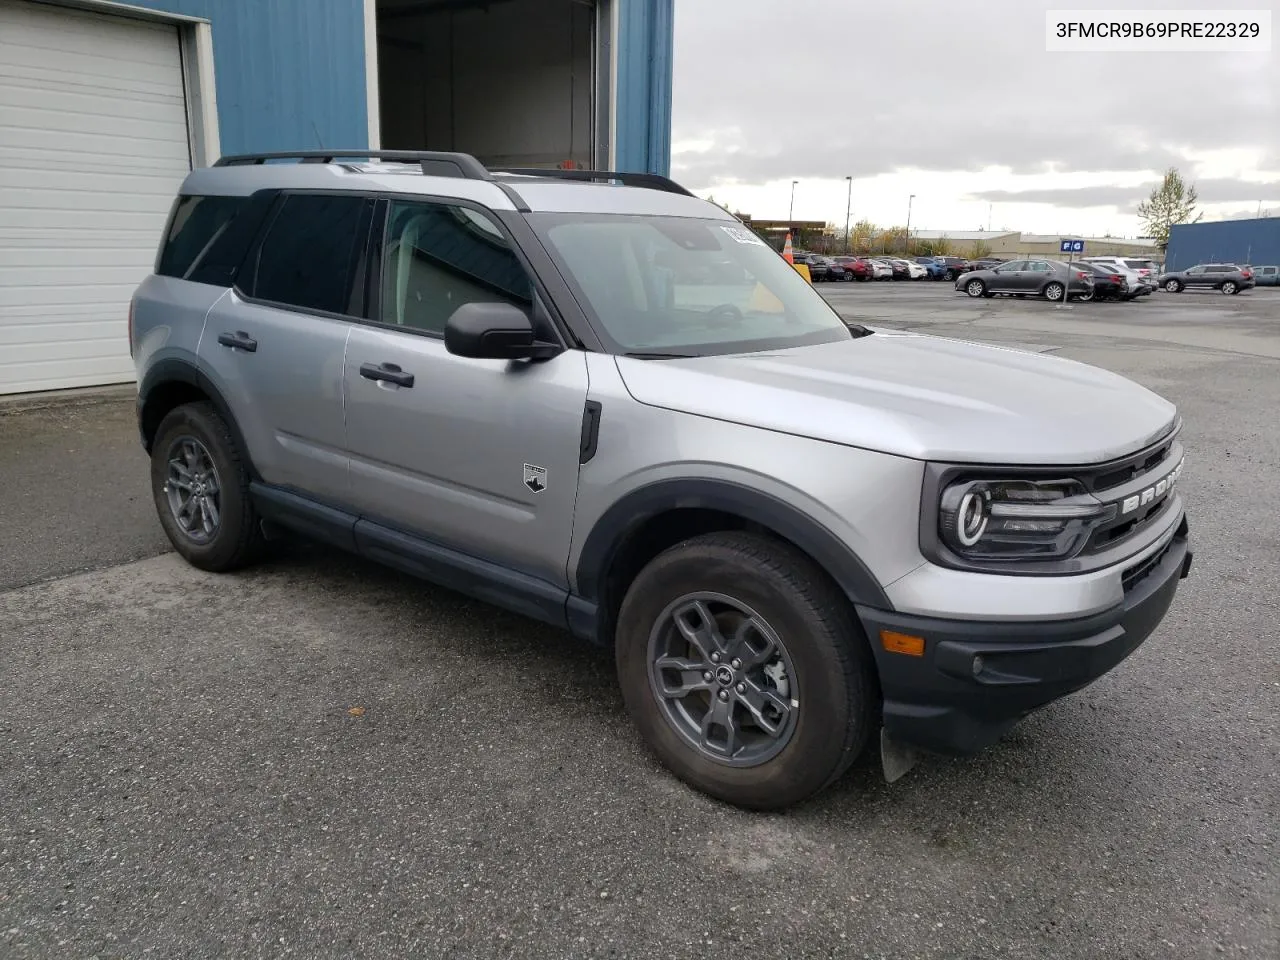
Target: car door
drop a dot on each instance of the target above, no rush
(274, 344)
(1008, 277)
(1197, 277)
(480, 456)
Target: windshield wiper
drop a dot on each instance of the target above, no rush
(660, 355)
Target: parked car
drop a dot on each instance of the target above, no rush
(817, 269)
(986, 263)
(1146, 269)
(1267, 276)
(1051, 279)
(915, 271)
(1108, 282)
(1230, 278)
(881, 269)
(799, 538)
(855, 268)
(933, 268)
(954, 266)
(899, 268)
(1139, 285)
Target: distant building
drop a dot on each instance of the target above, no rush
(1012, 243)
(1255, 241)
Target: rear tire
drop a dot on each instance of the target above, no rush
(824, 674)
(200, 485)
(1054, 291)
(1230, 288)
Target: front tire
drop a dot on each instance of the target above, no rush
(1173, 286)
(744, 670)
(975, 288)
(200, 485)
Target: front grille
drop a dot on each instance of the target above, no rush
(1130, 468)
(1134, 575)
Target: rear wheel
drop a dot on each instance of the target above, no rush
(1230, 288)
(1054, 291)
(200, 484)
(975, 288)
(743, 669)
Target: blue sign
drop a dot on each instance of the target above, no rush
(1071, 246)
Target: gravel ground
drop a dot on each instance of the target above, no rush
(321, 758)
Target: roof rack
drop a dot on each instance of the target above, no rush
(434, 163)
(652, 181)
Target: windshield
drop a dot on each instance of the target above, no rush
(690, 287)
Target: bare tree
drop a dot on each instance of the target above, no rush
(1173, 202)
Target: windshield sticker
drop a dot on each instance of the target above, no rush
(742, 235)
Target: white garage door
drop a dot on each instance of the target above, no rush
(93, 145)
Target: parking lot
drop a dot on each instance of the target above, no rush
(322, 758)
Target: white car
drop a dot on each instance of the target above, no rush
(881, 270)
(915, 271)
(1139, 271)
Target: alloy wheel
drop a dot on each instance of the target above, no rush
(723, 679)
(193, 490)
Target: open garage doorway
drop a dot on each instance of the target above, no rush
(516, 83)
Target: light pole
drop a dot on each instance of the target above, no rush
(848, 209)
(791, 209)
(906, 247)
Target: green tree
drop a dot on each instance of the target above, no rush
(1174, 201)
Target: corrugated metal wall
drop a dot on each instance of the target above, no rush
(1230, 241)
(643, 127)
(290, 74)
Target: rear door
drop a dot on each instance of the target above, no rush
(480, 456)
(275, 343)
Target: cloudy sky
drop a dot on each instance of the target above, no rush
(961, 105)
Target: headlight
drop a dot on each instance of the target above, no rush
(1018, 519)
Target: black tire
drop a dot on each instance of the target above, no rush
(238, 536)
(1059, 291)
(834, 670)
(1230, 287)
(1173, 286)
(975, 289)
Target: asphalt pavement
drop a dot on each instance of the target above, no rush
(321, 758)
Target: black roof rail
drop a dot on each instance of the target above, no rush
(434, 163)
(652, 181)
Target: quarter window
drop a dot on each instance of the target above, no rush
(196, 223)
(308, 258)
(438, 257)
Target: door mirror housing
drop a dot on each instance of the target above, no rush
(495, 331)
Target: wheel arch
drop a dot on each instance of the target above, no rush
(171, 383)
(659, 515)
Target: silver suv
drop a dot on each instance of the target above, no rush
(598, 400)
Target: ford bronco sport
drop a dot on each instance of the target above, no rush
(598, 400)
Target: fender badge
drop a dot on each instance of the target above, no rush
(535, 477)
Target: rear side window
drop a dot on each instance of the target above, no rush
(309, 256)
(196, 223)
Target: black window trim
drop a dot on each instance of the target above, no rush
(249, 266)
(377, 244)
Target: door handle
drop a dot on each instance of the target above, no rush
(238, 341)
(388, 372)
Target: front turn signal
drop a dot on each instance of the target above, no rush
(905, 643)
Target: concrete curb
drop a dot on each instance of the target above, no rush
(20, 403)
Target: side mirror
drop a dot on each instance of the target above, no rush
(494, 331)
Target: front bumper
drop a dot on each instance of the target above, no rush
(977, 679)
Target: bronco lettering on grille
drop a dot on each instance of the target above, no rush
(1159, 489)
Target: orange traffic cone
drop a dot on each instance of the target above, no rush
(787, 253)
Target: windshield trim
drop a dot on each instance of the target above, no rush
(540, 221)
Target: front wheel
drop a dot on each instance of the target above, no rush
(975, 288)
(200, 484)
(1173, 286)
(1054, 291)
(744, 670)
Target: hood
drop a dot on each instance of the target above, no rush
(916, 396)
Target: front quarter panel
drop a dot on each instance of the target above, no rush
(868, 501)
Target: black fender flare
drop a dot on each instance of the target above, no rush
(628, 514)
(174, 370)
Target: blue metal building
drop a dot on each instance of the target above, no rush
(1224, 241)
(300, 74)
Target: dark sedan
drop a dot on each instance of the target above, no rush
(1107, 284)
(1227, 277)
(1051, 279)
